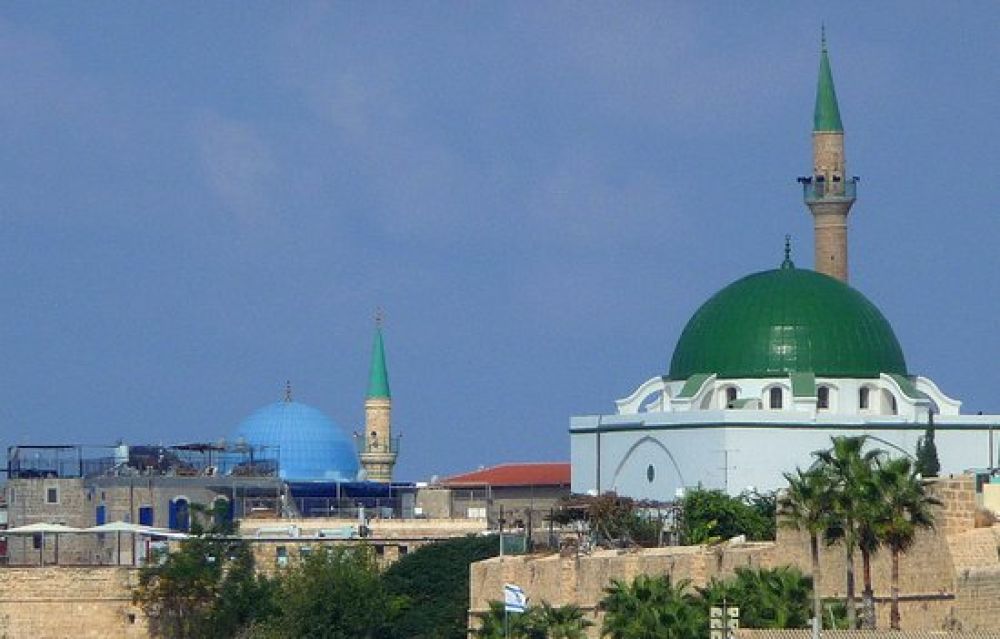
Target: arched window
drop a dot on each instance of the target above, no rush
(179, 517)
(823, 398)
(863, 397)
(893, 406)
(730, 396)
(222, 511)
(774, 397)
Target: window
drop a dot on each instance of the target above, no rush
(893, 406)
(52, 495)
(863, 397)
(650, 473)
(823, 398)
(774, 397)
(145, 515)
(36, 541)
(179, 517)
(281, 556)
(222, 511)
(730, 396)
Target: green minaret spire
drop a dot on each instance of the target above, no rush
(378, 376)
(827, 114)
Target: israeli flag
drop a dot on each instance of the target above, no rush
(514, 599)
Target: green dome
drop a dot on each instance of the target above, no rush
(787, 320)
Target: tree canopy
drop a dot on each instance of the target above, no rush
(435, 580)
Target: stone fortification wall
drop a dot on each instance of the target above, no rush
(949, 579)
(977, 604)
(63, 602)
(957, 512)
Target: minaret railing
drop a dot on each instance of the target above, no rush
(819, 190)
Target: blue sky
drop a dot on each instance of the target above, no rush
(202, 200)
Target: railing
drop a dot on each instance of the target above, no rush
(814, 190)
(367, 445)
(351, 507)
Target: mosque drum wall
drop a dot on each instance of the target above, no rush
(756, 455)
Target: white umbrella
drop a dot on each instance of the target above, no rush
(119, 526)
(43, 528)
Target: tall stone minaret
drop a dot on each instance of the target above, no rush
(829, 193)
(378, 450)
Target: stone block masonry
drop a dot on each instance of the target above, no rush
(63, 602)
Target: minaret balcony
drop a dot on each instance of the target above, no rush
(817, 189)
(368, 445)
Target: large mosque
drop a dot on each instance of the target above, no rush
(772, 366)
(312, 448)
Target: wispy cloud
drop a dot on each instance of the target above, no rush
(237, 165)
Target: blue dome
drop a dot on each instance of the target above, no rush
(310, 446)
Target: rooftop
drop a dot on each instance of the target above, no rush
(525, 474)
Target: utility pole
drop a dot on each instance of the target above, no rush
(725, 466)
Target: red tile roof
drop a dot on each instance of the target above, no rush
(532, 474)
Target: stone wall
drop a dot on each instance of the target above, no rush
(949, 579)
(63, 602)
(959, 503)
(978, 599)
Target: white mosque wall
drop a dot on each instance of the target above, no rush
(737, 457)
(885, 397)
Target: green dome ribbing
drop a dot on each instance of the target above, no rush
(773, 323)
(378, 375)
(826, 117)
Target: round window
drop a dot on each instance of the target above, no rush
(650, 473)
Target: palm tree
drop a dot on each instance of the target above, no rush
(847, 466)
(805, 505)
(651, 608)
(773, 597)
(768, 597)
(565, 622)
(906, 508)
(497, 624)
(870, 512)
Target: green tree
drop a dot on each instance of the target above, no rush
(847, 466)
(557, 622)
(907, 509)
(773, 597)
(714, 514)
(805, 505)
(207, 587)
(497, 624)
(435, 579)
(336, 593)
(652, 608)
(927, 455)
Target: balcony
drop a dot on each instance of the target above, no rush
(819, 190)
(365, 445)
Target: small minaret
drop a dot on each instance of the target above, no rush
(829, 193)
(378, 449)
